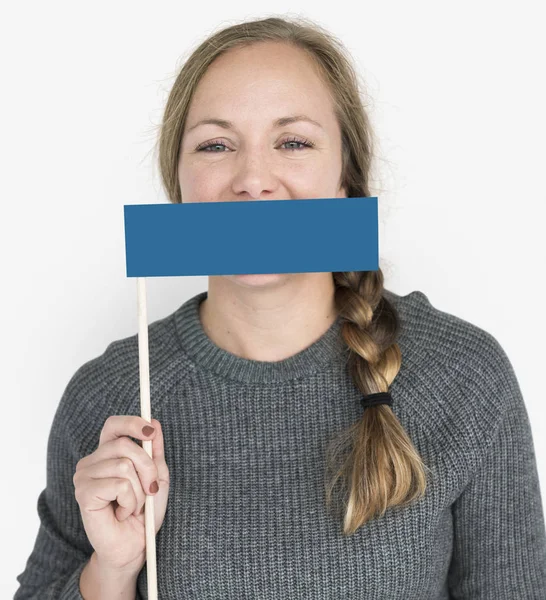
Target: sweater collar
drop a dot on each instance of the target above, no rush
(326, 352)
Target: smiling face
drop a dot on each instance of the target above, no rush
(256, 158)
(256, 151)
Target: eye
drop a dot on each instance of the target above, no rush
(302, 141)
(210, 145)
(293, 140)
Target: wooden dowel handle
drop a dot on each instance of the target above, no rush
(146, 413)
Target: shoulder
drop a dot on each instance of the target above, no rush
(431, 335)
(109, 383)
(456, 379)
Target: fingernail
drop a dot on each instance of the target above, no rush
(154, 488)
(147, 430)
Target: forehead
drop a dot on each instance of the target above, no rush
(265, 74)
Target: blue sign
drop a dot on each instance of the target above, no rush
(252, 236)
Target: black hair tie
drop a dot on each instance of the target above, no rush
(374, 399)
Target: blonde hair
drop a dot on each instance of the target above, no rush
(374, 460)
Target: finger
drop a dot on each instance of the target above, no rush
(144, 466)
(94, 495)
(117, 426)
(158, 451)
(114, 427)
(114, 467)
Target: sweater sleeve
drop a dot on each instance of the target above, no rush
(61, 549)
(499, 545)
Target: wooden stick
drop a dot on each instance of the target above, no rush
(146, 413)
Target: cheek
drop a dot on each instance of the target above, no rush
(199, 183)
(303, 173)
(312, 181)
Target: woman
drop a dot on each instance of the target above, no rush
(271, 479)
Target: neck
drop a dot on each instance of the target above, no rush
(268, 317)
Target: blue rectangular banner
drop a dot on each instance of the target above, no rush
(248, 237)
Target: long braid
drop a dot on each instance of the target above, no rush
(382, 467)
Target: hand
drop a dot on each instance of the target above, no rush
(111, 486)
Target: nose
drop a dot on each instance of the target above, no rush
(254, 177)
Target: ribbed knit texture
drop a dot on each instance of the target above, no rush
(245, 445)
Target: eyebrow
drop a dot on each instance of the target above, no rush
(278, 123)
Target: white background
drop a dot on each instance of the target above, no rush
(457, 101)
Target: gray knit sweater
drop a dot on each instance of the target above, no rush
(245, 443)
